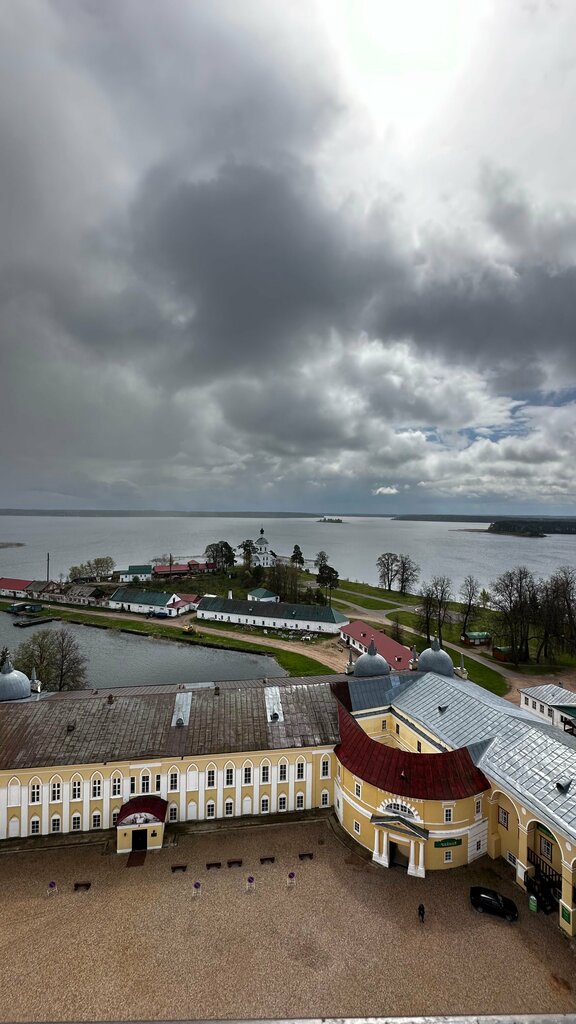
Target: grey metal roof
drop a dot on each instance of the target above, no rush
(549, 693)
(127, 595)
(14, 685)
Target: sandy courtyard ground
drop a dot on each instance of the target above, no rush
(344, 941)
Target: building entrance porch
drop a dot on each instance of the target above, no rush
(396, 849)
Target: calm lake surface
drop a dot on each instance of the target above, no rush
(118, 659)
(449, 549)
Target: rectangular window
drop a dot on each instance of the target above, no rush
(75, 822)
(173, 782)
(325, 772)
(210, 810)
(229, 809)
(338, 802)
(397, 729)
(265, 773)
(418, 747)
(534, 705)
(115, 818)
(55, 792)
(282, 803)
(35, 793)
(324, 799)
(158, 783)
(145, 783)
(383, 728)
(116, 786)
(96, 789)
(282, 772)
(76, 789)
(550, 712)
(35, 827)
(502, 817)
(478, 807)
(210, 778)
(55, 824)
(447, 815)
(96, 820)
(247, 776)
(300, 801)
(357, 789)
(300, 770)
(526, 701)
(173, 813)
(541, 709)
(447, 856)
(229, 776)
(132, 783)
(478, 845)
(265, 805)
(357, 827)
(510, 857)
(545, 848)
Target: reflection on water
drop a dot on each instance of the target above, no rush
(119, 659)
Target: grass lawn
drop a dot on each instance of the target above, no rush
(391, 596)
(361, 599)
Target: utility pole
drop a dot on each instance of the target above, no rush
(48, 568)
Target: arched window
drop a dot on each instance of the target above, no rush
(96, 820)
(173, 779)
(35, 791)
(145, 781)
(264, 805)
(173, 812)
(14, 793)
(300, 769)
(96, 787)
(281, 803)
(229, 808)
(247, 773)
(211, 776)
(265, 771)
(300, 801)
(55, 790)
(282, 770)
(35, 826)
(324, 798)
(13, 827)
(192, 777)
(325, 767)
(400, 808)
(76, 822)
(76, 788)
(229, 774)
(115, 814)
(210, 809)
(55, 823)
(116, 788)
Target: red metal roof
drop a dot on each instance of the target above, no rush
(161, 570)
(153, 805)
(451, 775)
(9, 584)
(397, 655)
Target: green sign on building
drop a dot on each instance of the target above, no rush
(565, 914)
(447, 842)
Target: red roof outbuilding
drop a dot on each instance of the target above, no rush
(397, 655)
(451, 775)
(6, 583)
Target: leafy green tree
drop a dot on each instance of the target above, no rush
(297, 558)
(328, 578)
(283, 580)
(77, 572)
(321, 559)
(248, 549)
(57, 658)
(4, 654)
(102, 566)
(221, 554)
(387, 565)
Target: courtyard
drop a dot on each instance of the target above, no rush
(343, 940)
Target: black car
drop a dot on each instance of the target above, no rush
(487, 901)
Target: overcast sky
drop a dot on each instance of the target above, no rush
(288, 256)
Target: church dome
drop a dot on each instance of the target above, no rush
(434, 659)
(14, 685)
(371, 663)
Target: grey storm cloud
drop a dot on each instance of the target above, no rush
(213, 278)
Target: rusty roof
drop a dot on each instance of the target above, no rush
(104, 726)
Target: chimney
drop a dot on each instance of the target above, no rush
(229, 595)
(216, 691)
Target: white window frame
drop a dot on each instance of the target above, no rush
(55, 820)
(173, 780)
(300, 801)
(448, 816)
(503, 816)
(478, 806)
(210, 778)
(76, 789)
(265, 774)
(35, 831)
(35, 792)
(448, 858)
(247, 775)
(546, 848)
(96, 820)
(325, 798)
(300, 771)
(358, 790)
(282, 803)
(145, 783)
(325, 767)
(357, 827)
(229, 776)
(265, 809)
(173, 812)
(116, 785)
(229, 808)
(283, 771)
(210, 809)
(96, 787)
(76, 822)
(55, 791)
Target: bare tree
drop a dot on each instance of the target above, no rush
(57, 658)
(408, 573)
(387, 565)
(442, 593)
(514, 596)
(425, 610)
(470, 593)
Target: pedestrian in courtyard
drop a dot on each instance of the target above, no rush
(421, 913)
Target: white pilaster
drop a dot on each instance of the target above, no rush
(3, 812)
(183, 797)
(66, 807)
(201, 795)
(219, 793)
(274, 788)
(238, 793)
(24, 810)
(412, 864)
(255, 791)
(291, 774)
(308, 776)
(44, 827)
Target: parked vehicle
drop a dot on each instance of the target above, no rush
(488, 901)
(161, 615)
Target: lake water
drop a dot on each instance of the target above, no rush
(118, 659)
(449, 549)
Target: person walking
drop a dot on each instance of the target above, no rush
(421, 913)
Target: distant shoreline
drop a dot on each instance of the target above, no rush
(12, 544)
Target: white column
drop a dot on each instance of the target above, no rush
(274, 788)
(66, 806)
(385, 850)
(201, 794)
(376, 853)
(183, 796)
(256, 790)
(23, 810)
(308, 776)
(219, 792)
(163, 784)
(45, 797)
(3, 812)
(238, 794)
(421, 868)
(291, 774)
(412, 864)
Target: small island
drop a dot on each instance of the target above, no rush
(11, 544)
(329, 519)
